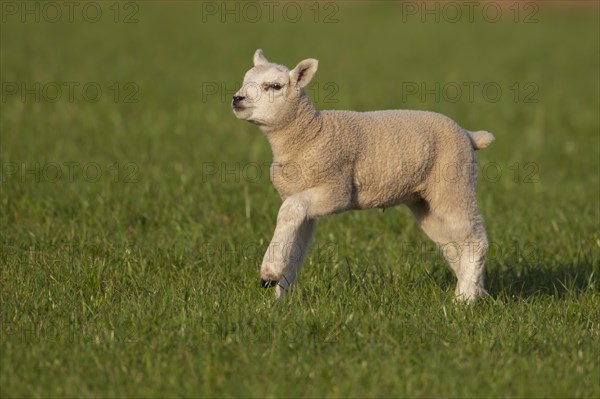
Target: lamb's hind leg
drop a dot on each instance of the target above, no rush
(460, 235)
(472, 261)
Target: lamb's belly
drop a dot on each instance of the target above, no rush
(388, 187)
(382, 196)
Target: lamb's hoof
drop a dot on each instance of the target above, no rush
(267, 283)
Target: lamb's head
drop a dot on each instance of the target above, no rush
(271, 93)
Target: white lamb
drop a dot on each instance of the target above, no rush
(326, 162)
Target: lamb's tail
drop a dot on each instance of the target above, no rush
(481, 139)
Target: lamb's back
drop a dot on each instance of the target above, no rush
(392, 151)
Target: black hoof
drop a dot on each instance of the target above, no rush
(267, 283)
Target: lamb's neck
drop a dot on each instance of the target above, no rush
(300, 133)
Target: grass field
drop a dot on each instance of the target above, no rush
(135, 208)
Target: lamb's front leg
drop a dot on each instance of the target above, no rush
(289, 245)
(295, 227)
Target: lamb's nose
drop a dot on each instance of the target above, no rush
(237, 99)
(267, 283)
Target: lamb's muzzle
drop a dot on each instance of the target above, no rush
(363, 160)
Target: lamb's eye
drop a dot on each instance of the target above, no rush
(276, 86)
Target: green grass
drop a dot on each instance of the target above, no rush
(143, 282)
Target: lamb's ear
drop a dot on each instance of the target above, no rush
(259, 58)
(304, 72)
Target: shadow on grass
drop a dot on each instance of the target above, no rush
(517, 281)
(529, 280)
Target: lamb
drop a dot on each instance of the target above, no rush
(327, 162)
